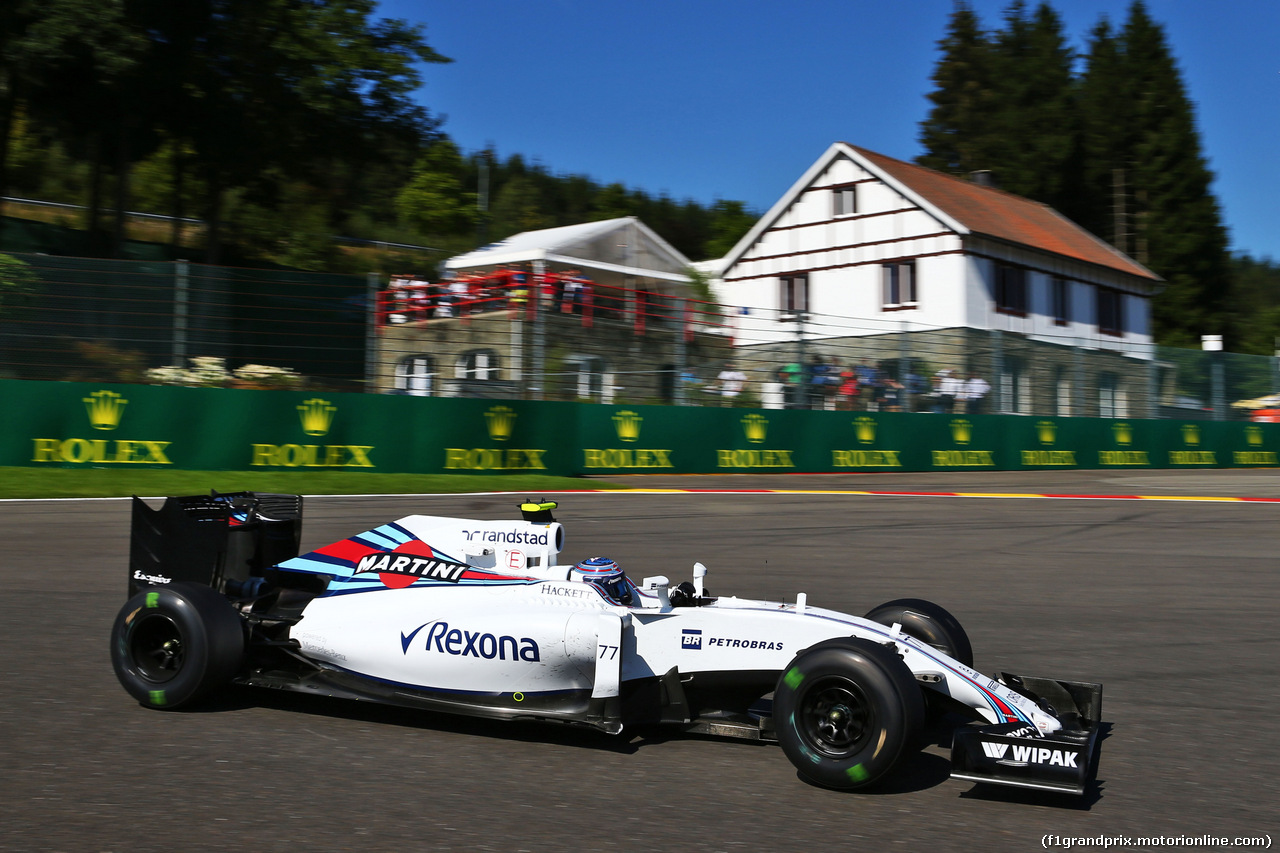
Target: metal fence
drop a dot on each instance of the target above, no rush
(506, 335)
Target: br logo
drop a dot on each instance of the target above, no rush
(317, 416)
(501, 420)
(756, 427)
(1046, 431)
(865, 428)
(105, 409)
(961, 431)
(627, 424)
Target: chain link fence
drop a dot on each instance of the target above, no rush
(505, 335)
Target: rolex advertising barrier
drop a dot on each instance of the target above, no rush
(71, 425)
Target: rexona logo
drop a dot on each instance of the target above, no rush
(1191, 438)
(441, 639)
(1021, 756)
(962, 435)
(105, 410)
(627, 425)
(500, 422)
(1254, 455)
(1123, 434)
(316, 416)
(1047, 433)
(756, 429)
(864, 429)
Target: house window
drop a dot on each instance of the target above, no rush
(1061, 392)
(1061, 299)
(793, 295)
(1110, 311)
(1015, 386)
(586, 376)
(844, 201)
(478, 364)
(415, 375)
(1011, 290)
(1113, 400)
(899, 285)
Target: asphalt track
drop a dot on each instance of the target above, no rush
(1171, 604)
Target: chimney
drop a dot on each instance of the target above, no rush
(983, 178)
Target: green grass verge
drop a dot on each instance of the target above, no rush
(103, 482)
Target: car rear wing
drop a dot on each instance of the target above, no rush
(226, 541)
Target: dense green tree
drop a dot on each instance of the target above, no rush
(434, 201)
(956, 135)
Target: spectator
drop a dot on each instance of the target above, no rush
(866, 384)
(946, 387)
(731, 382)
(975, 391)
(847, 392)
(914, 388)
(891, 395)
(791, 375)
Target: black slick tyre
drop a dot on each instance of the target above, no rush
(845, 710)
(172, 645)
(928, 623)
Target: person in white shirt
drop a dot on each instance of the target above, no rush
(973, 393)
(731, 382)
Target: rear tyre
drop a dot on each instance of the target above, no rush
(172, 645)
(845, 711)
(928, 623)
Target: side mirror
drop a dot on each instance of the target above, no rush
(699, 572)
(659, 586)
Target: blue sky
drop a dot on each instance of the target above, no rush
(708, 99)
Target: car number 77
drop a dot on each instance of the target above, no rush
(611, 650)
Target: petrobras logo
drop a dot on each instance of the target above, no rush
(738, 643)
(1021, 756)
(459, 642)
(507, 537)
(412, 565)
(691, 638)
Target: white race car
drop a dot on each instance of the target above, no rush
(480, 618)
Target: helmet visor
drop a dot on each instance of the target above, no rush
(614, 587)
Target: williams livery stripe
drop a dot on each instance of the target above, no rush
(1003, 710)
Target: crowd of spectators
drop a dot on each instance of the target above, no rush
(873, 387)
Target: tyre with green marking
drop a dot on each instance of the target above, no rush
(845, 711)
(171, 645)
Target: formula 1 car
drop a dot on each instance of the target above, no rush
(479, 618)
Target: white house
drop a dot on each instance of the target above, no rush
(865, 245)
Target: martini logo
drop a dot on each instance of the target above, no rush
(756, 427)
(409, 562)
(864, 429)
(627, 425)
(317, 416)
(105, 410)
(500, 422)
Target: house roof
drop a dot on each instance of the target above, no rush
(968, 208)
(625, 245)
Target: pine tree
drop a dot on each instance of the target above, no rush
(956, 134)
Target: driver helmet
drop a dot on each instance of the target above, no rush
(606, 576)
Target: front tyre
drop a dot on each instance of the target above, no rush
(928, 623)
(845, 711)
(171, 645)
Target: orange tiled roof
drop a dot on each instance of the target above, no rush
(995, 213)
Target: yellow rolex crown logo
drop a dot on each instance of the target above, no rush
(501, 420)
(1047, 431)
(105, 409)
(756, 428)
(1123, 433)
(865, 427)
(1253, 435)
(1191, 434)
(627, 424)
(317, 416)
(961, 431)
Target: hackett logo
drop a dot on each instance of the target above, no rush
(105, 410)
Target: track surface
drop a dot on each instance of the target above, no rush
(1172, 605)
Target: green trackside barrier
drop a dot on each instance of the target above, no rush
(70, 424)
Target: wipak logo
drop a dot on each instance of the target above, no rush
(500, 420)
(317, 416)
(106, 408)
(627, 424)
(756, 428)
